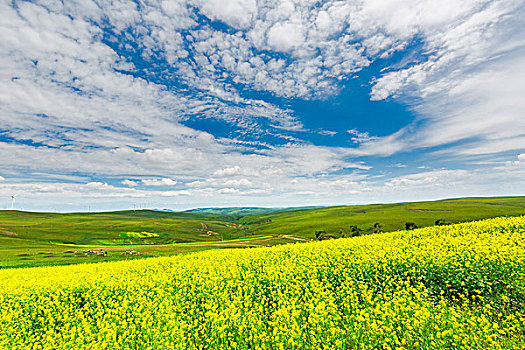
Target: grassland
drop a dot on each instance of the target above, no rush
(40, 239)
(337, 221)
(448, 287)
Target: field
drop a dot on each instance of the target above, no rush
(337, 220)
(41, 239)
(448, 287)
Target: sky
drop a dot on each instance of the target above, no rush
(119, 104)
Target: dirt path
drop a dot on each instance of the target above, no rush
(138, 247)
(294, 238)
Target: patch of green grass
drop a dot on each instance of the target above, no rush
(142, 234)
(338, 221)
(92, 228)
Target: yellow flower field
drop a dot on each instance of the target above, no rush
(448, 287)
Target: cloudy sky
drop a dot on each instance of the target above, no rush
(111, 104)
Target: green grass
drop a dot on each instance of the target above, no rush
(109, 228)
(392, 217)
(40, 239)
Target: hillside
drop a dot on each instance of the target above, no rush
(450, 287)
(31, 239)
(38, 239)
(338, 221)
(116, 228)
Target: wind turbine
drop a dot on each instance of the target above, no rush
(13, 199)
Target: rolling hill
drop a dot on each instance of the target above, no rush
(38, 239)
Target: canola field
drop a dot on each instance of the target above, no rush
(451, 287)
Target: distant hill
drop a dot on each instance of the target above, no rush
(245, 211)
(37, 239)
(340, 220)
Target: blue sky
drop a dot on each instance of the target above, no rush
(179, 104)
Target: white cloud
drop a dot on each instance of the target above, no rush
(97, 185)
(159, 182)
(129, 183)
(175, 193)
(238, 183)
(327, 132)
(285, 36)
(471, 86)
(236, 13)
(228, 190)
(360, 137)
(519, 162)
(228, 171)
(434, 178)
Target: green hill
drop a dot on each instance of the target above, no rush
(37, 239)
(340, 219)
(112, 228)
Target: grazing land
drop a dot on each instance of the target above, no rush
(40, 239)
(443, 287)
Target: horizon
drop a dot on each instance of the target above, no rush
(189, 209)
(235, 103)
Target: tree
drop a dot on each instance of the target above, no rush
(441, 222)
(410, 226)
(377, 228)
(355, 231)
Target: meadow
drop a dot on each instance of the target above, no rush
(445, 287)
(41, 239)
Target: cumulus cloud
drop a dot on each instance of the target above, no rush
(228, 171)
(228, 190)
(129, 183)
(159, 182)
(236, 13)
(285, 36)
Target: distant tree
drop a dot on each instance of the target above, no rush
(410, 226)
(441, 222)
(377, 228)
(355, 231)
(319, 235)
